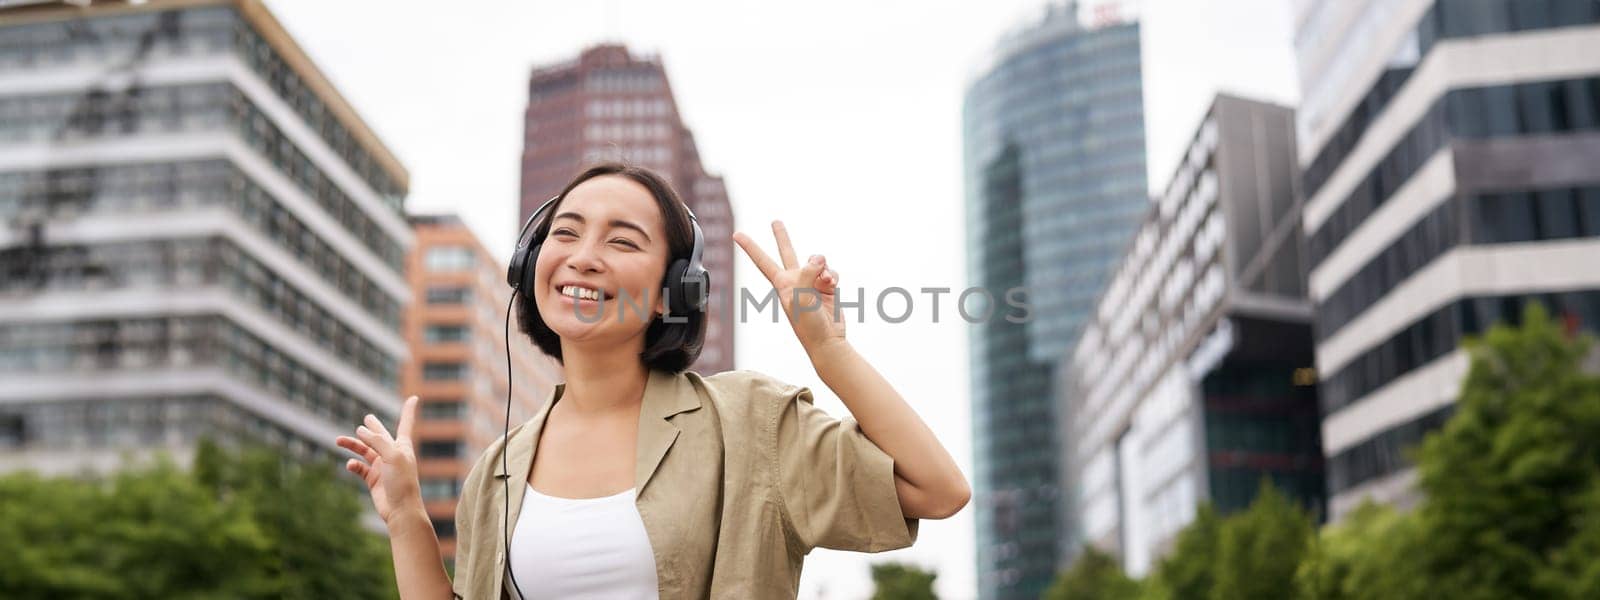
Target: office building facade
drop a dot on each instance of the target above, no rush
(198, 237)
(1053, 134)
(455, 326)
(1447, 150)
(1193, 382)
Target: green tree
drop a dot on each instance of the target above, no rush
(1370, 555)
(899, 581)
(1251, 554)
(237, 525)
(1508, 479)
(1188, 572)
(1095, 575)
(1261, 547)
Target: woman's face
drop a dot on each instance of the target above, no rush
(606, 236)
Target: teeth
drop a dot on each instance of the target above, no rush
(581, 293)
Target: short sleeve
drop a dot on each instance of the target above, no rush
(838, 488)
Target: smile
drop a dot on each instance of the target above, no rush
(580, 293)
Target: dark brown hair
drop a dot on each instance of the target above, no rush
(667, 346)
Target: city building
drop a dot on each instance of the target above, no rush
(1054, 171)
(1447, 150)
(1194, 381)
(455, 326)
(198, 237)
(610, 105)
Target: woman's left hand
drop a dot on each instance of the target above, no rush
(812, 284)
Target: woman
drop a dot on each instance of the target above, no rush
(640, 479)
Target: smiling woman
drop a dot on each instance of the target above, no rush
(642, 479)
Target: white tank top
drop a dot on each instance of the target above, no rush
(581, 548)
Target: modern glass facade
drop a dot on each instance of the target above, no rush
(199, 238)
(1444, 192)
(1055, 182)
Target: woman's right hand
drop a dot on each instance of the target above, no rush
(388, 464)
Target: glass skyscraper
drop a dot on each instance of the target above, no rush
(1055, 185)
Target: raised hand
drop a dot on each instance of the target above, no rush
(388, 464)
(813, 317)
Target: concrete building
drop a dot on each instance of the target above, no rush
(1194, 380)
(1448, 151)
(455, 326)
(1053, 129)
(198, 236)
(609, 104)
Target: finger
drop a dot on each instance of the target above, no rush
(829, 281)
(379, 443)
(408, 418)
(376, 426)
(811, 272)
(763, 262)
(785, 249)
(357, 467)
(356, 446)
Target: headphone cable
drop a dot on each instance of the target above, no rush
(505, 449)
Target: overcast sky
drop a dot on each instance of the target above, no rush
(841, 118)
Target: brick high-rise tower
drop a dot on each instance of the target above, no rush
(609, 104)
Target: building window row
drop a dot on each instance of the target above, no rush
(184, 108)
(636, 107)
(173, 342)
(443, 259)
(128, 422)
(445, 371)
(178, 264)
(444, 295)
(631, 80)
(1494, 218)
(1383, 454)
(145, 187)
(1438, 333)
(1445, 20)
(1535, 108)
(188, 32)
(440, 488)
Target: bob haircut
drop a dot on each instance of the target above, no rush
(668, 346)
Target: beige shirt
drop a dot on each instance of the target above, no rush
(738, 477)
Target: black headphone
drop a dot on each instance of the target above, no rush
(687, 283)
(687, 286)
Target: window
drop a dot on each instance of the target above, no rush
(1589, 206)
(443, 410)
(434, 488)
(1557, 214)
(440, 334)
(444, 371)
(432, 449)
(448, 258)
(444, 527)
(448, 295)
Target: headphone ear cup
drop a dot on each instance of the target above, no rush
(699, 286)
(525, 279)
(673, 287)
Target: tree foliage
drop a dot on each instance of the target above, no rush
(239, 524)
(899, 581)
(1095, 575)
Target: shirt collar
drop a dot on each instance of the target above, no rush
(666, 395)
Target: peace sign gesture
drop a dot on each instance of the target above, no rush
(388, 464)
(812, 284)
